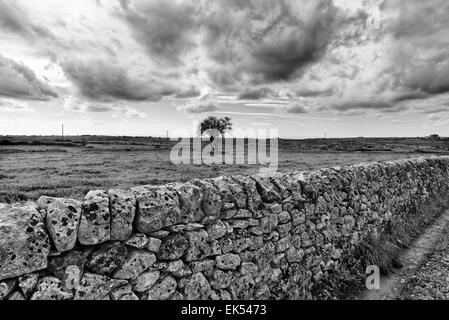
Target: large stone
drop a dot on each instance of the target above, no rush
(16, 296)
(197, 287)
(266, 189)
(137, 262)
(24, 244)
(211, 203)
(123, 208)
(198, 246)
(62, 220)
(50, 288)
(158, 207)
(163, 290)
(228, 261)
(108, 258)
(190, 197)
(43, 202)
(6, 287)
(95, 225)
(94, 287)
(242, 288)
(28, 282)
(68, 268)
(138, 241)
(172, 247)
(145, 281)
(216, 230)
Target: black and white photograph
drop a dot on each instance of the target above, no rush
(252, 151)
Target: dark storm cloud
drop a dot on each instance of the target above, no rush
(409, 96)
(14, 19)
(431, 79)
(272, 40)
(19, 81)
(163, 28)
(255, 94)
(102, 81)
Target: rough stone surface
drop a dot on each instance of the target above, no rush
(138, 241)
(94, 287)
(146, 280)
(28, 282)
(108, 258)
(137, 262)
(154, 244)
(62, 220)
(197, 287)
(50, 288)
(95, 225)
(24, 244)
(123, 210)
(228, 261)
(198, 246)
(6, 287)
(163, 290)
(172, 247)
(158, 207)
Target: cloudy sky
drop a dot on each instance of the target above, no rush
(142, 67)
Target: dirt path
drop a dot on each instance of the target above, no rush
(416, 278)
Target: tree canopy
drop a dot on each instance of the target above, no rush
(215, 126)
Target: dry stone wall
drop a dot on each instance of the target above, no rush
(240, 237)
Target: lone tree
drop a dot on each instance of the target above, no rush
(214, 127)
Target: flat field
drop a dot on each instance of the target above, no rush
(35, 166)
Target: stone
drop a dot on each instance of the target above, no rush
(43, 202)
(197, 287)
(205, 266)
(198, 246)
(248, 268)
(284, 217)
(241, 288)
(190, 197)
(95, 224)
(145, 281)
(220, 295)
(50, 288)
(172, 247)
(130, 296)
(94, 287)
(295, 255)
(154, 245)
(138, 241)
(269, 223)
(16, 296)
(137, 262)
(228, 261)
(211, 202)
(216, 230)
(123, 209)
(120, 290)
(163, 290)
(158, 208)
(266, 189)
(62, 220)
(6, 287)
(174, 266)
(68, 268)
(283, 244)
(24, 244)
(28, 282)
(239, 224)
(108, 258)
(221, 279)
(243, 214)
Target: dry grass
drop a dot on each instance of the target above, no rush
(29, 170)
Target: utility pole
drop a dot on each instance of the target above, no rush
(62, 131)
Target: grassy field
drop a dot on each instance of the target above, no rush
(35, 166)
